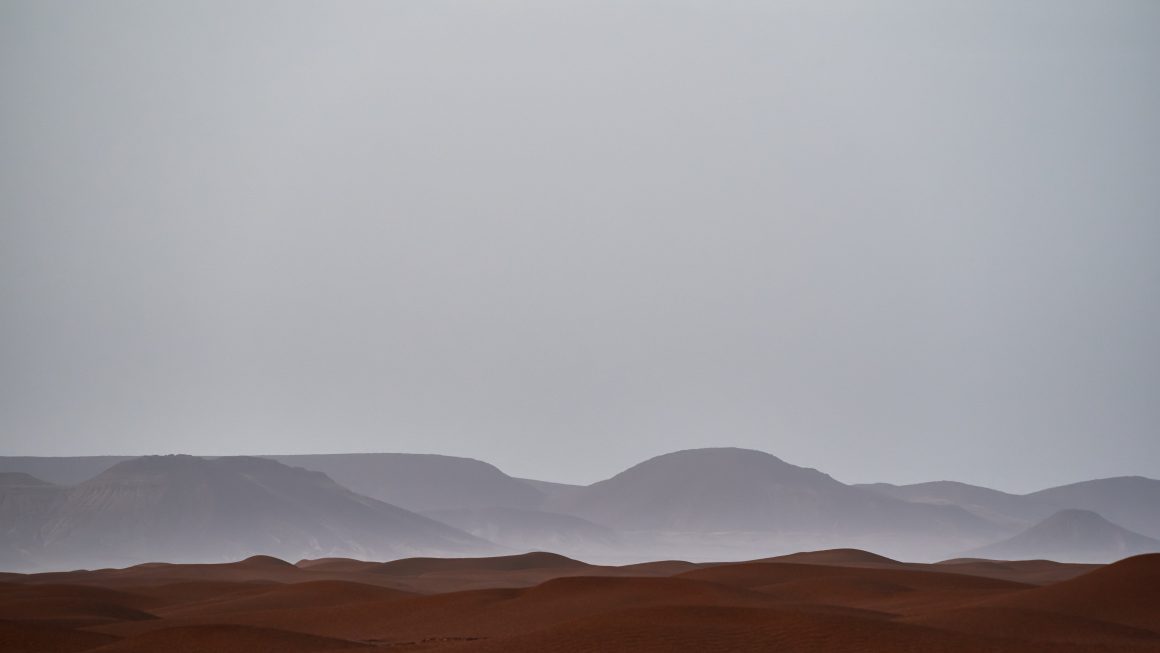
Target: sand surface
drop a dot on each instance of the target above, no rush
(840, 600)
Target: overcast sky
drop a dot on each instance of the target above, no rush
(895, 241)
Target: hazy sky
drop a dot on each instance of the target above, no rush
(895, 241)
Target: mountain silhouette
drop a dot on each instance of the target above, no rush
(423, 481)
(61, 470)
(708, 491)
(183, 508)
(25, 502)
(1130, 501)
(703, 504)
(1015, 510)
(533, 530)
(1071, 536)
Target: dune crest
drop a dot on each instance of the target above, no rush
(818, 601)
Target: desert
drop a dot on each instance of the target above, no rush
(562, 326)
(838, 600)
(143, 556)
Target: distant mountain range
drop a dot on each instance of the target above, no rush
(707, 499)
(1073, 535)
(706, 504)
(187, 509)
(423, 481)
(1132, 502)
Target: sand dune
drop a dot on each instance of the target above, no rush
(754, 574)
(1036, 572)
(226, 639)
(1020, 623)
(185, 592)
(1073, 535)
(839, 557)
(894, 591)
(417, 566)
(155, 574)
(17, 592)
(1126, 592)
(340, 565)
(835, 600)
(317, 593)
(24, 637)
(72, 606)
(717, 628)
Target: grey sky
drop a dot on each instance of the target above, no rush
(896, 241)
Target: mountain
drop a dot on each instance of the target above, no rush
(412, 481)
(1072, 536)
(741, 489)
(551, 491)
(720, 491)
(64, 470)
(1130, 501)
(20, 479)
(24, 502)
(1000, 507)
(1125, 592)
(421, 482)
(707, 504)
(182, 508)
(533, 530)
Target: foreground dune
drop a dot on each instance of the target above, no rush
(196, 639)
(840, 600)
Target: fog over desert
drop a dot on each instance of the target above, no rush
(580, 325)
(705, 549)
(700, 505)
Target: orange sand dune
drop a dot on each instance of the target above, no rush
(840, 600)
(1020, 623)
(897, 591)
(716, 628)
(69, 613)
(1036, 572)
(339, 565)
(1126, 592)
(538, 560)
(261, 568)
(1023, 571)
(184, 592)
(131, 599)
(316, 593)
(839, 557)
(755, 574)
(226, 639)
(19, 637)
(485, 613)
(659, 568)
(440, 575)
